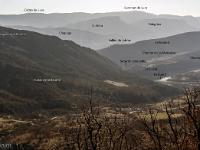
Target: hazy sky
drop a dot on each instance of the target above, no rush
(176, 7)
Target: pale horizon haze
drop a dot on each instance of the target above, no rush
(174, 7)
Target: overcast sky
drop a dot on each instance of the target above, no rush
(176, 7)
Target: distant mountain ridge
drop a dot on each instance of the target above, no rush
(134, 26)
(62, 19)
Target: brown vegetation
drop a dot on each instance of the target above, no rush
(92, 129)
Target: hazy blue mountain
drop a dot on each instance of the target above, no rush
(190, 20)
(61, 19)
(43, 20)
(83, 38)
(113, 28)
(100, 30)
(158, 28)
(107, 26)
